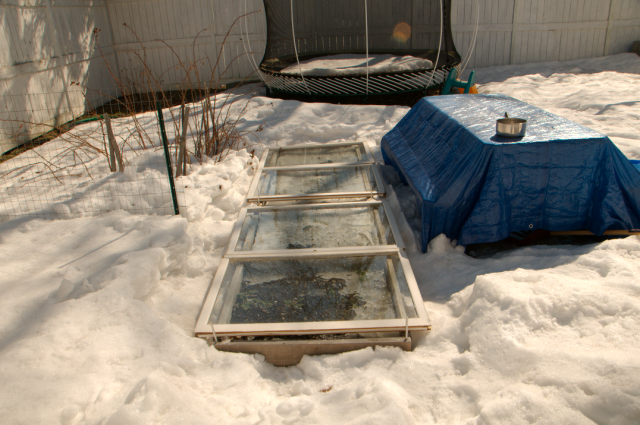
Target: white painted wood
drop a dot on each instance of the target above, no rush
(571, 45)
(57, 43)
(487, 9)
(586, 11)
(420, 322)
(546, 46)
(576, 11)
(561, 26)
(602, 35)
(513, 51)
(510, 31)
(483, 49)
(523, 47)
(347, 251)
(578, 48)
(541, 18)
(550, 48)
(583, 15)
(534, 46)
(591, 51)
(538, 53)
(612, 11)
(499, 48)
(46, 49)
(593, 9)
(582, 41)
(553, 11)
(566, 11)
(544, 42)
(527, 47)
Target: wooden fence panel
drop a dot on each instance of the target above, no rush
(49, 56)
(45, 45)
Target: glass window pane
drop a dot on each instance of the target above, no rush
(315, 228)
(323, 180)
(316, 155)
(313, 290)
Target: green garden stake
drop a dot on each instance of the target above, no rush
(167, 157)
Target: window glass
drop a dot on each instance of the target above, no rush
(321, 180)
(267, 229)
(316, 155)
(313, 290)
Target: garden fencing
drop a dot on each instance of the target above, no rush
(107, 159)
(63, 60)
(63, 71)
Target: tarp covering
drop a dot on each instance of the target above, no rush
(476, 187)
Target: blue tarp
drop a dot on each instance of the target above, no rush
(476, 187)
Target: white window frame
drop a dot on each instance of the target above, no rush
(421, 322)
(375, 172)
(404, 323)
(309, 252)
(365, 147)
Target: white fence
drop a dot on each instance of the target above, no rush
(544, 30)
(46, 45)
(191, 31)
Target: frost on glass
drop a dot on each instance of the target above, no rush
(315, 228)
(316, 155)
(309, 182)
(313, 290)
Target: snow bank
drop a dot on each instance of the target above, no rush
(599, 93)
(98, 312)
(70, 177)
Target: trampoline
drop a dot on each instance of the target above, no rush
(357, 47)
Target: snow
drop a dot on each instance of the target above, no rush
(98, 311)
(354, 64)
(89, 188)
(599, 93)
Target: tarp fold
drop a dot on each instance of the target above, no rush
(476, 187)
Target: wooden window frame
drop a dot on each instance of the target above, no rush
(420, 323)
(369, 164)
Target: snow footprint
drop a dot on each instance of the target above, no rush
(299, 388)
(462, 365)
(601, 265)
(295, 408)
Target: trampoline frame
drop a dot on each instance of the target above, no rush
(368, 83)
(351, 86)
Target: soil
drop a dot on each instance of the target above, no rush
(300, 297)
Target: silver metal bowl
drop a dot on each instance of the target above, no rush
(511, 127)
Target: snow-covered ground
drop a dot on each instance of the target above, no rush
(352, 64)
(98, 312)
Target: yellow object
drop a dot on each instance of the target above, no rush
(472, 90)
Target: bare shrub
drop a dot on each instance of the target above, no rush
(79, 150)
(214, 131)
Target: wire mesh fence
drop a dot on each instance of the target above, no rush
(84, 150)
(77, 169)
